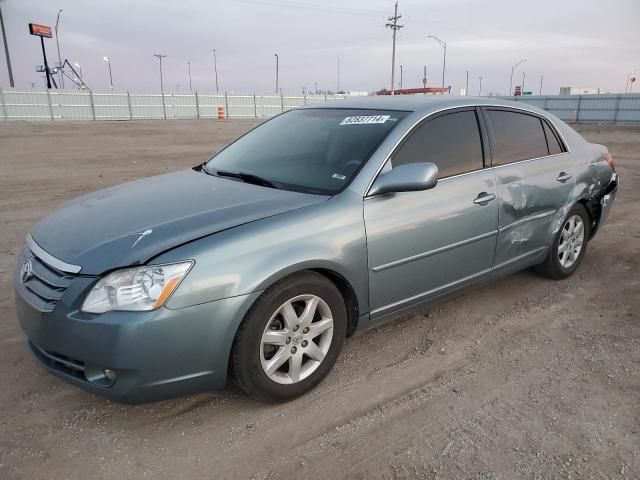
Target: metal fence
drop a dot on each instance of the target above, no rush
(114, 105)
(608, 108)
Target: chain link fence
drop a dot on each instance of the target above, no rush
(114, 105)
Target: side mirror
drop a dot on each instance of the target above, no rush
(410, 177)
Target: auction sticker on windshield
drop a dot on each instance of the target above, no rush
(365, 119)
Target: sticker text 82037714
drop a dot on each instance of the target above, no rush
(365, 119)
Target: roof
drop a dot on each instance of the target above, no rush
(416, 103)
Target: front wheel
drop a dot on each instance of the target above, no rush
(569, 245)
(290, 338)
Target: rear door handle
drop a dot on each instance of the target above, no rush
(484, 198)
(563, 177)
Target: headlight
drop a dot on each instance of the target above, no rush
(135, 289)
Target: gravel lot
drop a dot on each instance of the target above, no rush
(524, 378)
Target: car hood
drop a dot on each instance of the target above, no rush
(131, 223)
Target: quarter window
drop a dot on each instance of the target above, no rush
(516, 136)
(451, 141)
(552, 140)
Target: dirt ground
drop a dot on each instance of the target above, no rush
(524, 378)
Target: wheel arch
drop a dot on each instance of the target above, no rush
(354, 302)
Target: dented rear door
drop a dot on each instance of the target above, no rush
(533, 185)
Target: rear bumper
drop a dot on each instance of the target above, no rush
(604, 200)
(155, 355)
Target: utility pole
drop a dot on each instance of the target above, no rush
(400, 77)
(277, 68)
(444, 58)
(466, 89)
(480, 89)
(316, 87)
(541, 78)
(424, 79)
(215, 68)
(189, 69)
(395, 27)
(160, 56)
(60, 75)
(6, 48)
(512, 70)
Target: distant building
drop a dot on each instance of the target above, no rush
(580, 91)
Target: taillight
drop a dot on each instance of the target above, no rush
(609, 160)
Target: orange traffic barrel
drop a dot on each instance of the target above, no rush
(220, 113)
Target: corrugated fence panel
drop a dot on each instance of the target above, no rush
(71, 104)
(146, 106)
(111, 105)
(117, 105)
(629, 108)
(240, 106)
(3, 113)
(33, 105)
(209, 103)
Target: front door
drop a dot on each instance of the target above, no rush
(424, 244)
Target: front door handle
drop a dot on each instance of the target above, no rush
(484, 198)
(563, 177)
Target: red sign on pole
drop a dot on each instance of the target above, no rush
(40, 30)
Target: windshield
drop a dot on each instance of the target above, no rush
(310, 150)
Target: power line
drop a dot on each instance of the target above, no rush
(393, 25)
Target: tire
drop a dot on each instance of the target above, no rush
(272, 333)
(560, 264)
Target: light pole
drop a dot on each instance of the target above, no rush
(466, 90)
(400, 77)
(80, 71)
(60, 76)
(189, 70)
(6, 47)
(108, 60)
(444, 58)
(523, 76)
(215, 68)
(512, 70)
(277, 61)
(480, 88)
(541, 78)
(160, 56)
(338, 75)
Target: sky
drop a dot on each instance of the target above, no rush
(582, 43)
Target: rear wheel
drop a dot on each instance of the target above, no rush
(290, 338)
(569, 245)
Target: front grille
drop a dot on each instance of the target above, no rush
(44, 285)
(62, 363)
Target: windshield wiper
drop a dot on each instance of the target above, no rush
(247, 178)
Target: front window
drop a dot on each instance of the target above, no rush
(309, 150)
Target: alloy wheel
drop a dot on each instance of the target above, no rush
(571, 241)
(296, 339)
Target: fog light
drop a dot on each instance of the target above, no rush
(110, 374)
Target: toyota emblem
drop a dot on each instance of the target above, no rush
(26, 271)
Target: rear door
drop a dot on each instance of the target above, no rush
(424, 244)
(534, 177)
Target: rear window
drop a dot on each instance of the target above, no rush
(516, 137)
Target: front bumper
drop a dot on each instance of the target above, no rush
(155, 355)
